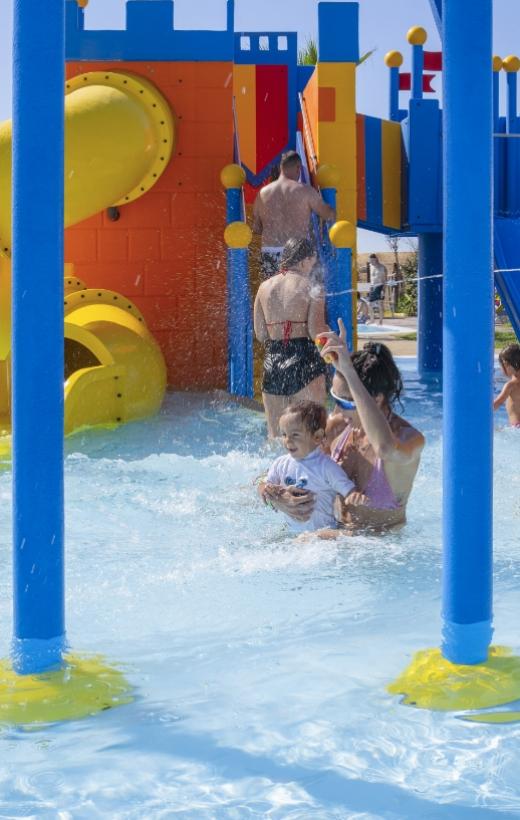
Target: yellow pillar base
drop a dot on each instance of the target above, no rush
(432, 682)
(83, 687)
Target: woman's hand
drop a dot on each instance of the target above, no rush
(337, 345)
(293, 501)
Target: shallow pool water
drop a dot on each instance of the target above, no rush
(259, 663)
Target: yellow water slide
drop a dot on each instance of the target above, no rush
(119, 137)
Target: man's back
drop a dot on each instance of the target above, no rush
(283, 210)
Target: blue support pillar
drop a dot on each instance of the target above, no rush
(393, 112)
(417, 72)
(499, 146)
(512, 65)
(468, 331)
(329, 196)
(239, 315)
(38, 63)
(394, 60)
(240, 331)
(338, 279)
(429, 347)
(233, 205)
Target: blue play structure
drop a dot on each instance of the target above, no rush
(449, 179)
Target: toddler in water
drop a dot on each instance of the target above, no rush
(509, 358)
(306, 466)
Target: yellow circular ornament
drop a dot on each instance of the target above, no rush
(327, 176)
(393, 59)
(232, 176)
(416, 36)
(343, 234)
(238, 235)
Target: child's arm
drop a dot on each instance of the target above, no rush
(502, 396)
(338, 479)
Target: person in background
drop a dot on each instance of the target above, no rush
(289, 313)
(509, 359)
(282, 211)
(377, 277)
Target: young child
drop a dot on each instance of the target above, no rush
(306, 466)
(509, 358)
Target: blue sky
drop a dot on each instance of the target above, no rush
(383, 26)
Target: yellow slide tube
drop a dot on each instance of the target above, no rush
(119, 137)
(114, 368)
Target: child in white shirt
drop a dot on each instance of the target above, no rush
(306, 466)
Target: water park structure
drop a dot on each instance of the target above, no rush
(156, 121)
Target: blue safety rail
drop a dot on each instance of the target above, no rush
(149, 35)
(507, 275)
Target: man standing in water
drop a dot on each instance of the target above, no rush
(282, 211)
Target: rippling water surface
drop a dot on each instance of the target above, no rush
(259, 663)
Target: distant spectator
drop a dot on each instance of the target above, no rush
(377, 276)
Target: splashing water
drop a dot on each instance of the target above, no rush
(260, 663)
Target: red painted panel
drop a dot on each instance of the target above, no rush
(272, 113)
(432, 60)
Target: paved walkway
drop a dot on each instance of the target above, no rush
(398, 346)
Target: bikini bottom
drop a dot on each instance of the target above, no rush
(290, 365)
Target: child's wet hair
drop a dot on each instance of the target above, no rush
(377, 370)
(510, 355)
(312, 415)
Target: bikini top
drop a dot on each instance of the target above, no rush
(378, 488)
(288, 323)
(287, 327)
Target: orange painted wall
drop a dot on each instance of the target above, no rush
(166, 252)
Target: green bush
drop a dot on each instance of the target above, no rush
(408, 301)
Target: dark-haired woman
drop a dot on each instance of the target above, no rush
(379, 450)
(289, 313)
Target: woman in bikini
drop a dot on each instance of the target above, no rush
(289, 313)
(378, 449)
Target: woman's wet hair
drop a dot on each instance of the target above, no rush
(312, 415)
(295, 251)
(510, 355)
(377, 370)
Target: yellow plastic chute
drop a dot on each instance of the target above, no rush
(119, 137)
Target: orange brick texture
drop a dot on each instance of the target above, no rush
(166, 252)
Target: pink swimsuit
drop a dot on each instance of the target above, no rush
(378, 490)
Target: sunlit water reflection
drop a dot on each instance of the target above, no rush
(259, 662)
